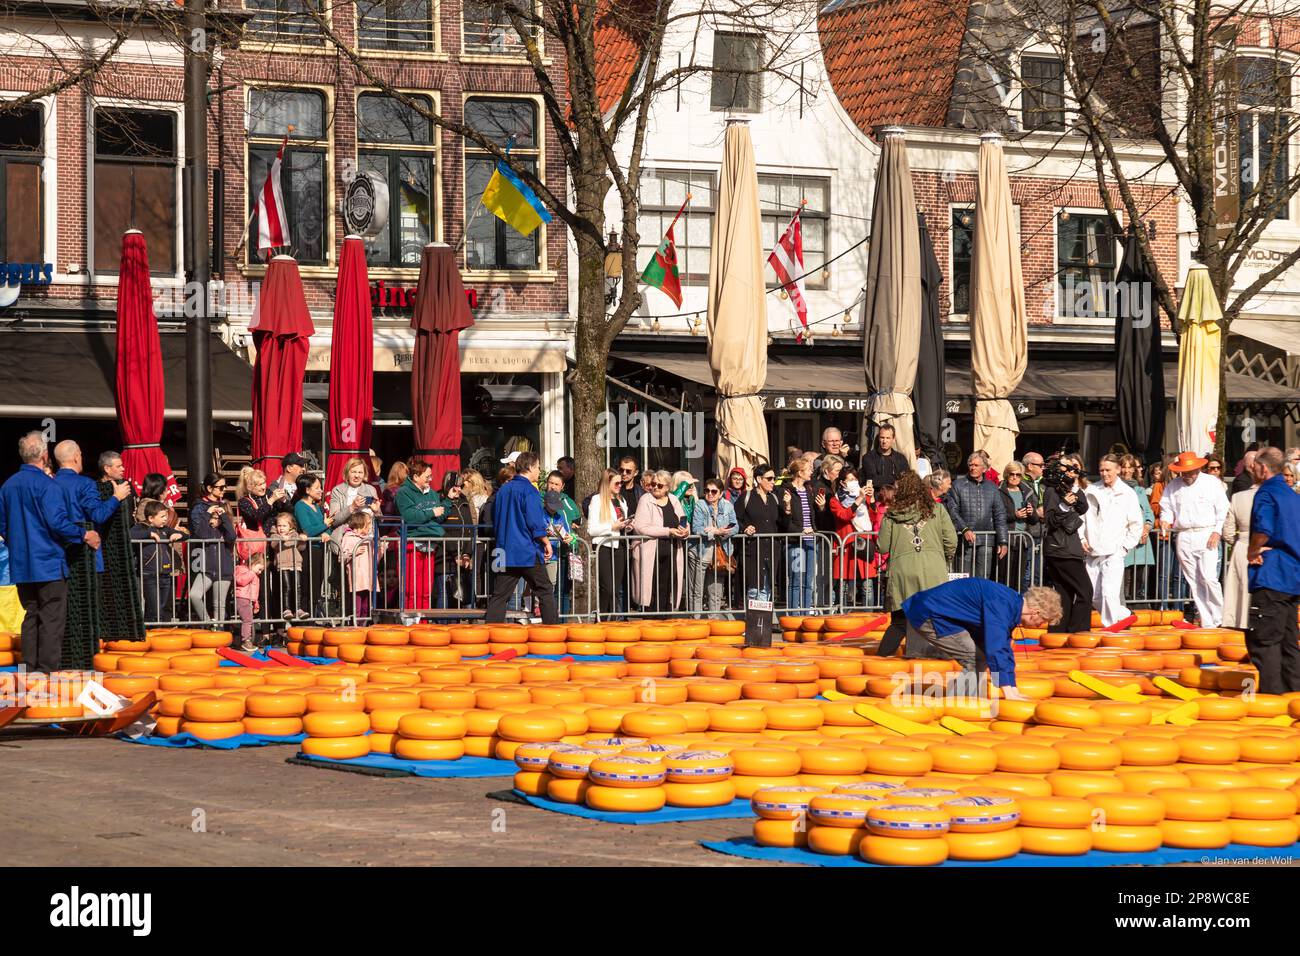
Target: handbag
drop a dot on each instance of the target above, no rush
(722, 562)
(245, 548)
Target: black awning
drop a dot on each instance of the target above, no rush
(76, 371)
(1045, 379)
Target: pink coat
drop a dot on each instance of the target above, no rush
(354, 554)
(248, 584)
(649, 520)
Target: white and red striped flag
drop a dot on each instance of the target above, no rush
(786, 261)
(272, 222)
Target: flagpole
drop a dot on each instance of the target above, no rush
(679, 214)
(248, 224)
(464, 234)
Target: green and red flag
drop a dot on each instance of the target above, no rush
(661, 271)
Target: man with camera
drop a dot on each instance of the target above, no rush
(1064, 506)
(1194, 508)
(1111, 529)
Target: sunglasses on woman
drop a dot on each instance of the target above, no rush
(713, 491)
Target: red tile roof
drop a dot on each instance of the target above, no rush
(892, 61)
(621, 26)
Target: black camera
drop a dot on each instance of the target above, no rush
(1060, 476)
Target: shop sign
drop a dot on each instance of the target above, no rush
(27, 273)
(15, 275)
(803, 402)
(1023, 407)
(386, 296)
(365, 205)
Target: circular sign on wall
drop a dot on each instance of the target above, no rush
(365, 205)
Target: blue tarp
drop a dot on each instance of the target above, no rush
(230, 743)
(736, 810)
(747, 848)
(464, 767)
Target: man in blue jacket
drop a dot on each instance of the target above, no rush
(970, 620)
(36, 526)
(84, 620)
(522, 547)
(1274, 560)
(81, 494)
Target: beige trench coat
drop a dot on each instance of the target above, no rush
(1236, 535)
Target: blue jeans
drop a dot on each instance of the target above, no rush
(802, 564)
(975, 559)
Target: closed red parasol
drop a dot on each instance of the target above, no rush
(441, 312)
(139, 369)
(352, 364)
(281, 327)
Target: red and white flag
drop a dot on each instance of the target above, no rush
(272, 223)
(786, 261)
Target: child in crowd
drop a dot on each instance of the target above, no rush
(356, 551)
(855, 498)
(157, 560)
(287, 546)
(248, 592)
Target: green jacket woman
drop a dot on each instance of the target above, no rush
(422, 509)
(919, 546)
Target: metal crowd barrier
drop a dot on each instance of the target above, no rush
(303, 581)
(451, 578)
(1159, 582)
(644, 577)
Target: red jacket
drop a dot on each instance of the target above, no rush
(849, 561)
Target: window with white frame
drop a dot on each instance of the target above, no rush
(395, 25)
(778, 198)
(290, 22)
(396, 144)
(1042, 92)
(512, 123)
(489, 31)
(737, 81)
(1265, 127)
(1087, 251)
(22, 150)
(134, 186)
(304, 172)
(662, 193)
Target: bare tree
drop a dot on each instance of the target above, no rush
(598, 110)
(48, 34)
(1196, 79)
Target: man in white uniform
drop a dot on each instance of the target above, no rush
(1111, 529)
(1194, 506)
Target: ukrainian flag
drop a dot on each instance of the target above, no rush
(511, 200)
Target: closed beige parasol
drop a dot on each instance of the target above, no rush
(738, 309)
(999, 337)
(891, 310)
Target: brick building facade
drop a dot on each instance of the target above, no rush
(457, 62)
(900, 63)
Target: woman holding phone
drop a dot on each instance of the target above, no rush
(351, 495)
